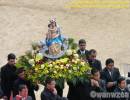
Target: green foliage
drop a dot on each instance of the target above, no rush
(72, 44)
(23, 62)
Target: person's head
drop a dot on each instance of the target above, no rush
(95, 74)
(21, 72)
(82, 44)
(53, 22)
(92, 54)
(11, 59)
(23, 90)
(50, 83)
(121, 82)
(110, 63)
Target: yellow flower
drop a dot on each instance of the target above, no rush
(63, 60)
(55, 72)
(53, 63)
(50, 65)
(74, 51)
(57, 61)
(77, 60)
(47, 71)
(61, 66)
(70, 71)
(36, 69)
(60, 75)
(66, 59)
(56, 66)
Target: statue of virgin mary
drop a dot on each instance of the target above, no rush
(54, 39)
(55, 44)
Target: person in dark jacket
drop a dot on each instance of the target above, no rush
(8, 75)
(61, 87)
(97, 85)
(82, 52)
(110, 74)
(1, 92)
(122, 88)
(73, 91)
(50, 92)
(79, 91)
(21, 80)
(93, 62)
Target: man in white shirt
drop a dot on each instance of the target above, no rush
(82, 52)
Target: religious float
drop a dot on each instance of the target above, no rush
(54, 57)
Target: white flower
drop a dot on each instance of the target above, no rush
(73, 60)
(76, 55)
(69, 52)
(61, 67)
(42, 66)
(67, 65)
(31, 62)
(39, 56)
(50, 65)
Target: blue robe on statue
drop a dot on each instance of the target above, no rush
(58, 39)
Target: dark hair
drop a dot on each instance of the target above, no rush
(92, 51)
(55, 24)
(49, 80)
(21, 87)
(49, 25)
(82, 41)
(20, 70)
(94, 70)
(109, 60)
(120, 80)
(11, 56)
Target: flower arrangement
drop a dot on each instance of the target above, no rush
(68, 67)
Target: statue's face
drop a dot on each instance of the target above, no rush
(53, 24)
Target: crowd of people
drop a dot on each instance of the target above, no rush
(14, 85)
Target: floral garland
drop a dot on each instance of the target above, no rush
(69, 67)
